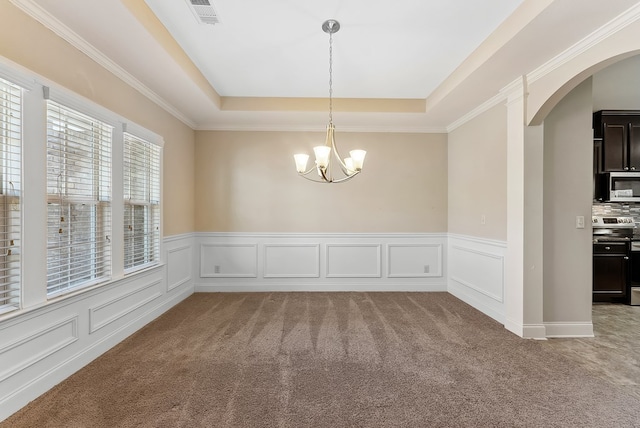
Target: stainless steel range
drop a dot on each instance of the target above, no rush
(612, 228)
(612, 267)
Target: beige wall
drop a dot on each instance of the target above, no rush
(478, 176)
(568, 169)
(28, 43)
(246, 182)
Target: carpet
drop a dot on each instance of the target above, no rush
(329, 360)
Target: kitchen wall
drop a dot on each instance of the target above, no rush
(247, 182)
(617, 209)
(568, 160)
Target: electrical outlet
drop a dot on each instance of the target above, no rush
(426, 268)
(216, 269)
(483, 219)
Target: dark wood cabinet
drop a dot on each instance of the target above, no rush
(610, 271)
(619, 134)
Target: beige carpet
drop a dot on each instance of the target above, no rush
(329, 360)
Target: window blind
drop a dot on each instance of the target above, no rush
(141, 203)
(10, 160)
(79, 199)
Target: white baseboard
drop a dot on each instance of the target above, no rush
(319, 287)
(534, 331)
(463, 294)
(567, 329)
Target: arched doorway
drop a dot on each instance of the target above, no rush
(528, 312)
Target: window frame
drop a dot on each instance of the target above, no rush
(79, 145)
(11, 167)
(148, 198)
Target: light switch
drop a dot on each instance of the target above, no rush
(579, 222)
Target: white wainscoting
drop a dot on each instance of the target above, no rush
(41, 346)
(321, 262)
(291, 261)
(477, 272)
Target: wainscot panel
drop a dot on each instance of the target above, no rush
(291, 260)
(228, 260)
(476, 273)
(41, 346)
(321, 262)
(179, 266)
(415, 260)
(353, 261)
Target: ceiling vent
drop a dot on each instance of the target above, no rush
(204, 12)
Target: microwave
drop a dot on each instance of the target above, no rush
(619, 187)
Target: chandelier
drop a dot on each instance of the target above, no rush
(349, 167)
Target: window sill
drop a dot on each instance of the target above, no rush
(76, 295)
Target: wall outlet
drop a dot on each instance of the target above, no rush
(426, 268)
(216, 269)
(483, 219)
(579, 222)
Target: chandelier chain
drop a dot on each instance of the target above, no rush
(330, 77)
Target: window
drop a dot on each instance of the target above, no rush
(79, 199)
(10, 140)
(141, 203)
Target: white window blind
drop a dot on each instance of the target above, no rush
(141, 203)
(79, 198)
(10, 143)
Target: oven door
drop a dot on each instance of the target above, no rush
(635, 273)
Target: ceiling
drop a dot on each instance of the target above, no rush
(406, 65)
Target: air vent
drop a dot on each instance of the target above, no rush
(204, 12)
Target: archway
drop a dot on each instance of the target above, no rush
(533, 100)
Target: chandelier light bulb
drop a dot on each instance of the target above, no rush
(358, 158)
(301, 162)
(322, 156)
(349, 164)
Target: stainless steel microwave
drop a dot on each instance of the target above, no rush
(619, 187)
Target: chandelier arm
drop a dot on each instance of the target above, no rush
(323, 174)
(348, 177)
(343, 166)
(336, 154)
(313, 168)
(315, 181)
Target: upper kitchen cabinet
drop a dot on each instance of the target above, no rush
(619, 132)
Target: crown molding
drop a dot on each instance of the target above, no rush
(618, 23)
(490, 103)
(302, 128)
(38, 13)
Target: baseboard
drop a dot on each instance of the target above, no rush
(466, 296)
(534, 331)
(568, 329)
(318, 287)
(56, 374)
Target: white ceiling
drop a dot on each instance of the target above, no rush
(399, 49)
(452, 54)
